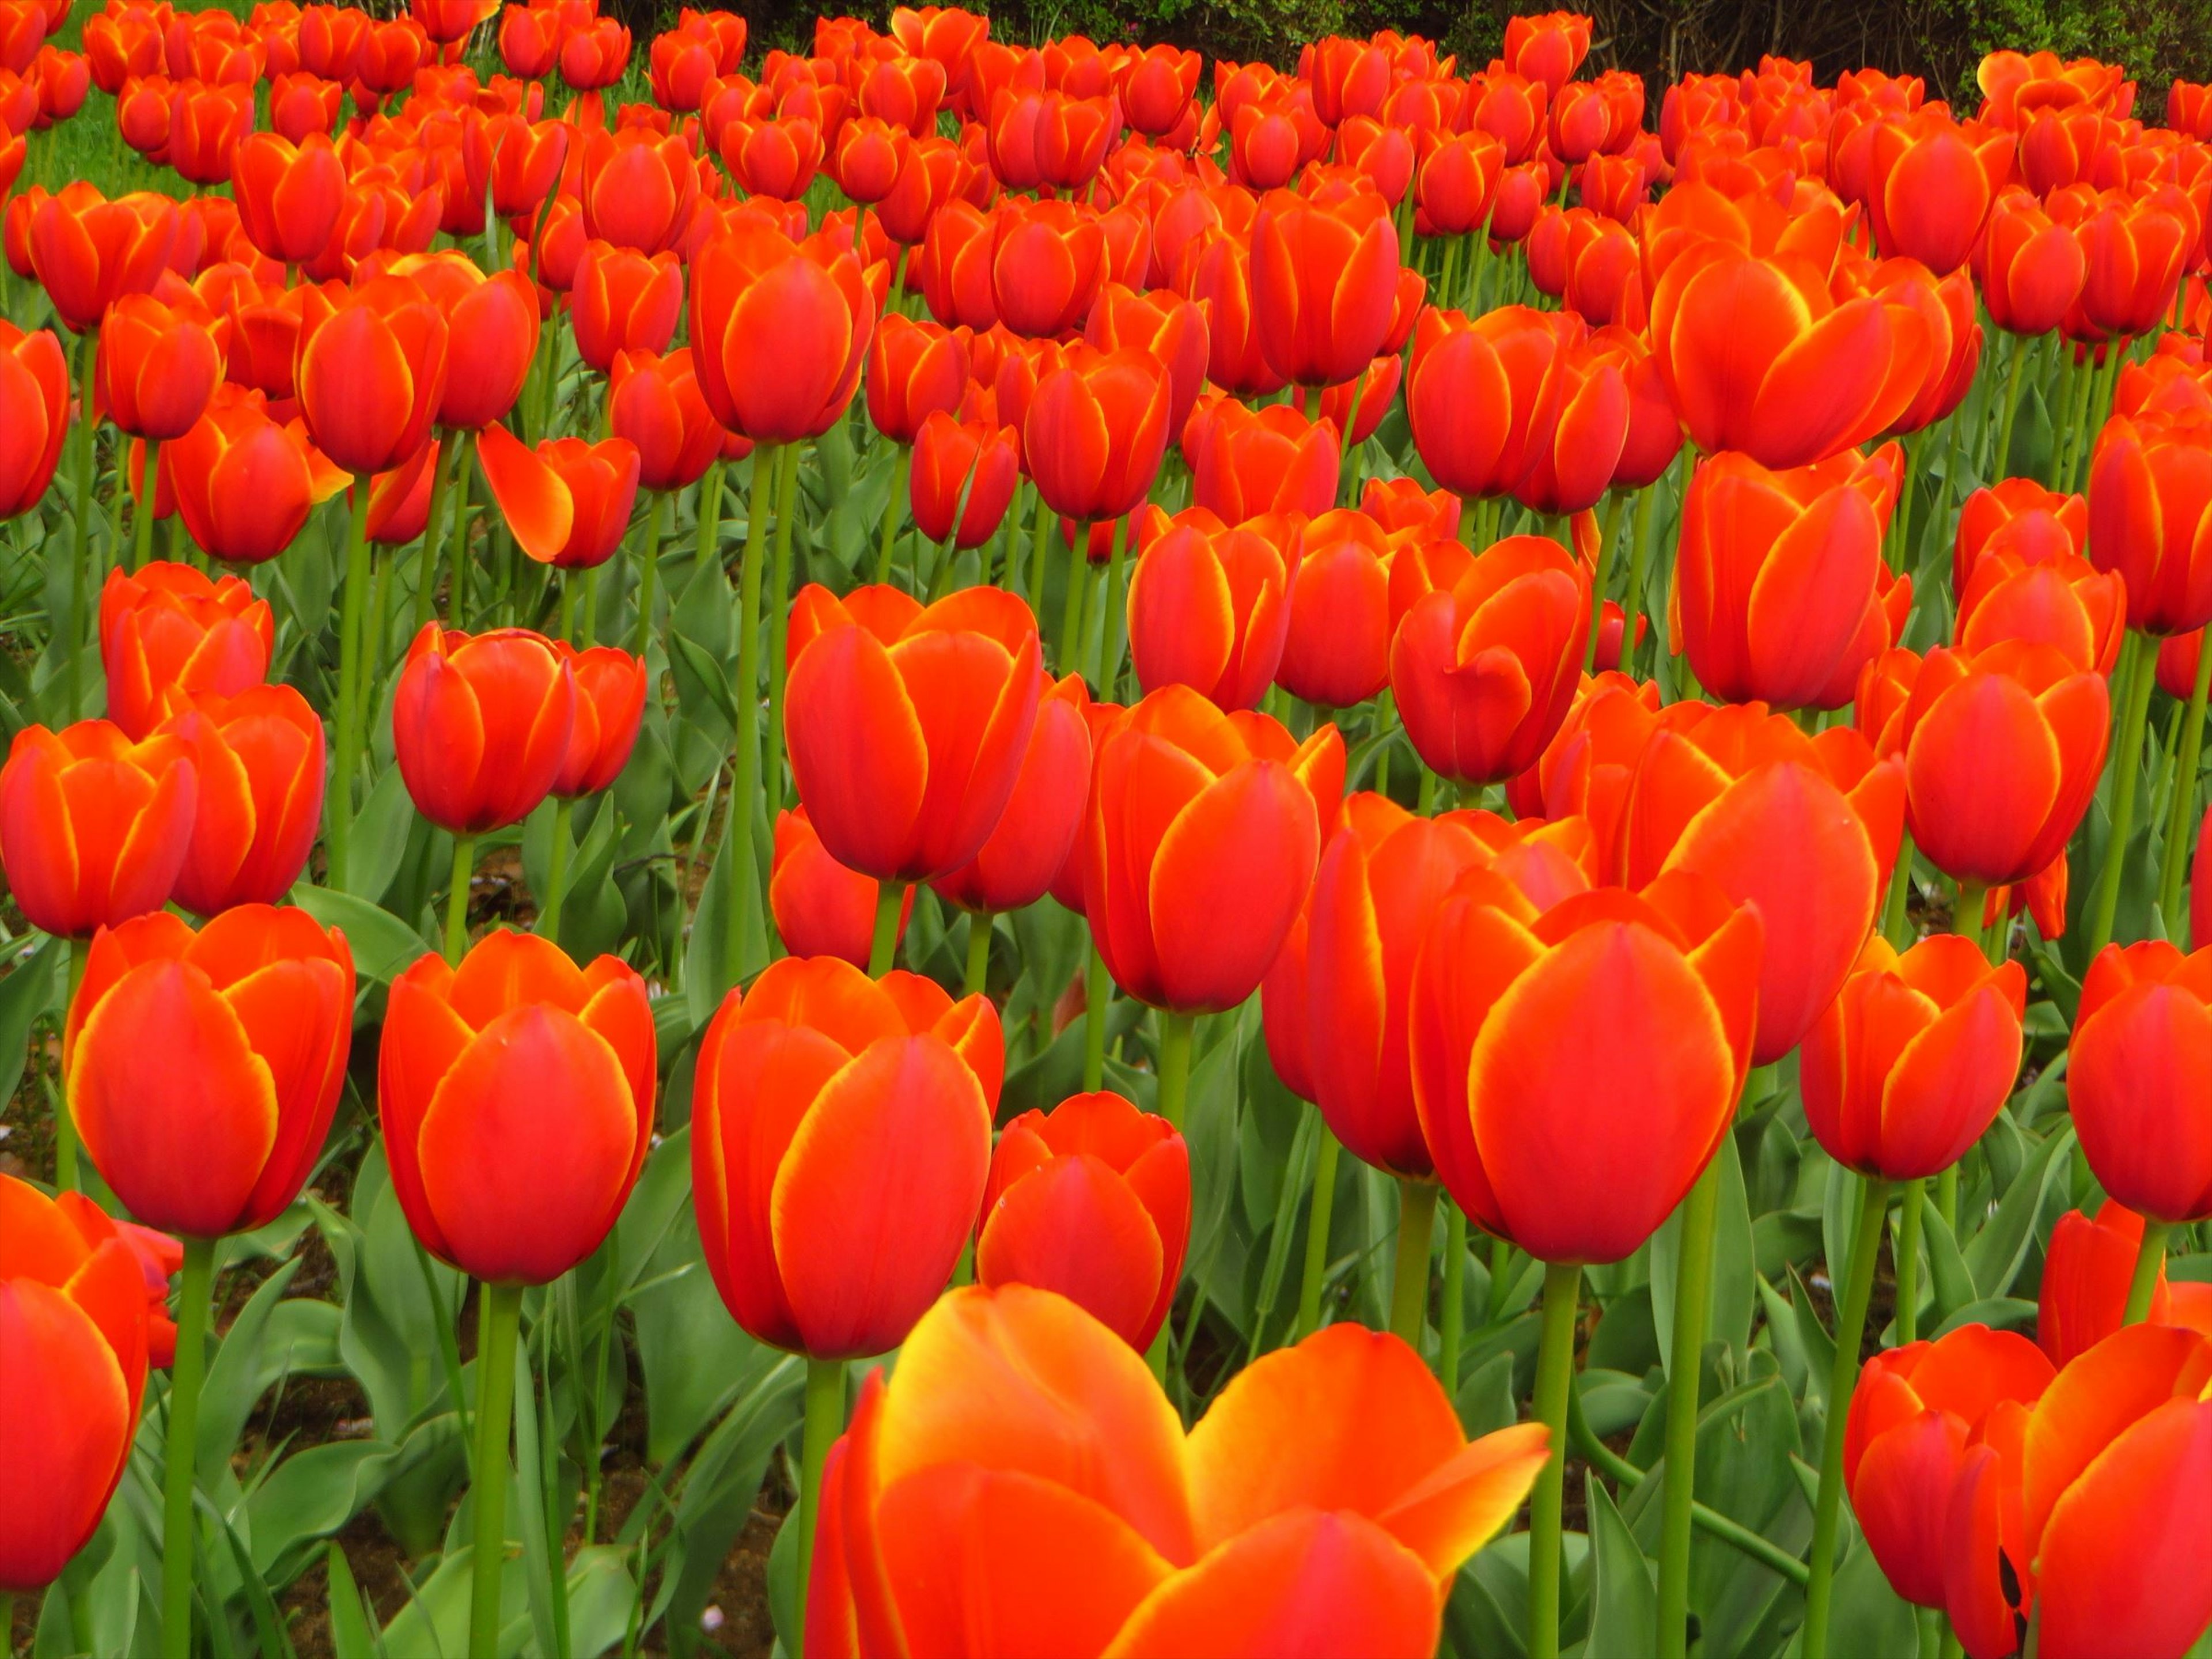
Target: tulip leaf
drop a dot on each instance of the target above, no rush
(2001, 1313)
(1623, 1597)
(1727, 1317)
(31, 988)
(1947, 1269)
(722, 1481)
(382, 944)
(1485, 1396)
(352, 1636)
(312, 1495)
(1867, 1616)
(1995, 1254)
(693, 663)
(240, 1371)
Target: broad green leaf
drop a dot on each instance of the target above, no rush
(382, 944)
(1994, 1254)
(352, 1637)
(1624, 1597)
(32, 987)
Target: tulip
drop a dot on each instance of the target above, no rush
(2065, 603)
(301, 107)
(73, 1321)
(595, 55)
(1245, 463)
(168, 626)
(869, 157)
(529, 40)
(158, 366)
(2020, 517)
(1208, 608)
(920, 794)
(1336, 648)
(1095, 434)
(2134, 250)
(1091, 1200)
(1912, 1417)
(260, 759)
(1198, 847)
(1457, 181)
(776, 158)
(955, 460)
(1216, 272)
(87, 251)
(371, 372)
(655, 402)
(2031, 269)
(291, 196)
(34, 407)
(2087, 1267)
(611, 688)
(624, 301)
(2150, 486)
(955, 267)
(1047, 259)
(819, 907)
(491, 334)
(1159, 91)
(1174, 329)
(1751, 537)
(567, 501)
(1931, 182)
(94, 827)
(1484, 671)
(915, 369)
(1547, 49)
(779, 330)
(481, 725)
(244, 483)
(1324, 284)
(1251, 1535)
(525, 163)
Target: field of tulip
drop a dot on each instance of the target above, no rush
(958, 848)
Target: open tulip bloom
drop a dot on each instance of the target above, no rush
(1032, 804)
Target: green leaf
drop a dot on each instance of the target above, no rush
(31, 988)
(1729, 1318)
(2002, 1313)
(1485, 1396)
(708, 674)
(1994, 1254)
(1623, 1596)
(352, 1637)
(1867, 1616)
(380, 837)
(240, 1372)
(310, 1496)
(382, 944)
(1947, 1268)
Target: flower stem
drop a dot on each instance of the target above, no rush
(499, 1318)
(2185, 795)
(457, 898)
(1908, 1262)
(648, 567)
(350, 669)
(1176, 1031)
(1452, 1324)
(745, 784)
(557, 870)
(2127, 753)
(895, 512)
(883, 949)
(1555, 1375)
(426, 557)
(1071, 616)
(1098, 993)
(1117, 612)
(66, 1178)
(826, 1421)
(87, 353)
(978, 953)
(1693, 1270)
(179, 1450)
(143, 527)
(1608, 521)
(779, 622)
(1843, 1380)
(1409, 1284)
(1319, 1210)
(1895, 921)
(2150, 1257)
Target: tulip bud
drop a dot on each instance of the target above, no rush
(259, 758)
(481, 725)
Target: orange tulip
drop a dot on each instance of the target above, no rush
(955, 267)
(655, 403)
(1199, 845)
(820, 907)
(1024, 855)
(1324, 285)
(1175, 329)
(491, 335)
(523, 162)
(1805, 830)
(2139, 1074)
(158, 366)
(777, 159)
(1095, 434)
(93, 828)
(567, 501)
(1251, 1534)
(34, 413)
(779, 329)
(87, 251)
(262, 999)
(2150, 497)
(1215, 272)
(1547, 49)
(1336, 651)
(2065, 602)
(1209, 609)
(291, 196)
(529, 40)
(1777, 592)
(1931, 182)
(2031, 269)
(73, 1321)
(2134, 249)
(914, 370)
(1248, 462)
(371, 371)
(638, 189)
(168, 626)
(244, 483)
(906, 726)
(1912, 1417)
(2020, 517)
(953, 458)
(481, 724)
(1159, 89)
(624, 301)
(1909, 1065)
(2088, 1266)
(1484, 670)
(865, 1107)
(1047, 259)
(611, 687)
(515, 1093)
(258, 756)
(1576, 1148)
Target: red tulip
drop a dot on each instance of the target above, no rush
(2150, 497)
(1247, 462)
(779, 330)
(34, 412)
(611, 687)
(244, 483)
(2139, 1074)
(1209, 609)
(258, 756)
(2031, 268)
(2087, 1267)
(87, 251)
(481, 724)
(1336, 651)
(371, 372)
(655, 402)
(820, 907)
(1095, 434)
(624, 301)
(567, 501)
(1324, 285)
(158, 366)
(953, 458)
(168, 626)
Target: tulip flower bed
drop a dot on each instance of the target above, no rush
(947, 849)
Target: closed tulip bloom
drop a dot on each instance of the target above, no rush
(1095, 434)
(258, 756)
(1336, 650)
(2135, 249)
(1761, 359)
(2087, 1517)
(914, 369)
(1174, 329)
(869, 157)
(525, 162)
(2031, 267)
(491, 336)
(1776, 593)
(773, 158)
(2150, 518)
(953, 458)
(169, 627)
(1484, 671)
(529, 40)
(1216, 273)
(2017, 516)
(1806, 830)
(1587, 768)
(1025, 854)
(655, 402)
(2088, 1266)
(262, 1001)
(610, 686)
(639, 189)
(1047, 259)
(515, 1092)
(1576, 1148)
(1208, 608)
(906, 726)
(73, 1322)
(841, 1142)
(1931, 183)
(2139, 1078)
(2003, 753)
(624, 301)
(779, 330)
(34, 413)
(244, 483)
(87, 251)
(158, 366)
(1912, 1417)
(820, 907)
(1157, 93)
(1911, 1062)
(1250, 1536)
(371, 372)
(2065, 602)
(567, 501)
(1547, 49)
(1199, 845)
(291, 196)
(94, 827)
(1324, 285)
(954, 265)
(1247, 462)
(480, 725)
(1091, 1200)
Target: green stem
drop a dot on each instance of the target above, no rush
(66, 1176)
(426, 556)
(648, 568)
(1930, 1623)
(1409, 1283)
(883, 949)
(557, 871)
(1640, 556)
(2184, 815)
(1908, 1262)
(1895, 918)
(1501, 1279)
(1117, 612)
(1071, 616)
(2150, 1256)
(1176, 1031)
(564, 626)
(826, 1421)
(87, 348)
(142, 523)
(1098, 993)
(179, 1449)
(1951, 1647)
(456, 898)
(2127, 754)
(2001, 460)
(1040, 544)
(978, 953)
(1452, 1322)
(1607, 522)
(1555, 1376)
(1967, 910)
(348, 751)
(457, 587)
(895, 513)
(779, 622)
(744, 785)
(1843, 1380)
(1947, 1196)
(449, 1347)
(1319, 1210)
(499, 1318)
(1693, 1272)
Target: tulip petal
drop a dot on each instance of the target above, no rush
(536, 503)
(1227, 881)
(65, 1426)
(859, 752)
(1074, 1226)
